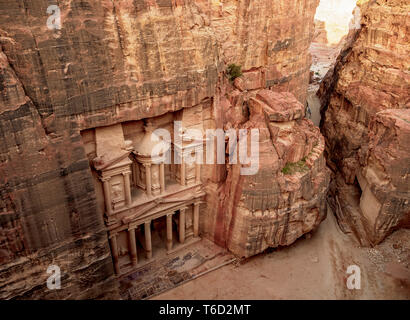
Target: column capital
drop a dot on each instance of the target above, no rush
(126, 173)
(132, 227)
(113, 235)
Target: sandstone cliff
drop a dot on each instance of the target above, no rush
(117, 61)
(366, 107)
(287, 197)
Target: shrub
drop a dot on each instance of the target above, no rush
(299, 166)
(234, 71)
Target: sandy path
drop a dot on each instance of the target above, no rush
(312, 268)
(314, 105)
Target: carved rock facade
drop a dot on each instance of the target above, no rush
(117, 64)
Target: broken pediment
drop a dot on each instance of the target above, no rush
(111, 148)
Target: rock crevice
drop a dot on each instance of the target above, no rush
(365, 108)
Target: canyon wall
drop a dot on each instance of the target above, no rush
(273, 207)
(366, 112)
(118, 61)
(268, 38)
(286, 198)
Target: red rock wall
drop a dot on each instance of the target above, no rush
(366, 124)
(269, 38)
(286, 198)
(47, 207)
(115, 61)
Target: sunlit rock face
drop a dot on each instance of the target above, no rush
(334, 20)
(366, 124)
(336, 14)
(113, 62)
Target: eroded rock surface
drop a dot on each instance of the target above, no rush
(286, 198)
(366, 105)
(119, 61)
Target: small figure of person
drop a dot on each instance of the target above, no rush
(308, 112)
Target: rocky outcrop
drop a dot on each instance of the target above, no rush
(113, 62)
(383, 177)
(286, 198)
(320, 33)
(366, 106)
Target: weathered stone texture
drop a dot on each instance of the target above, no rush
(47, 212)
(264, 37)
(366, 111)
(383, 178)
(112, 62)
(286, 197)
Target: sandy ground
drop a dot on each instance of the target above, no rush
(312, 268)
(314, 105)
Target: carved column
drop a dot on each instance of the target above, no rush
(182, 225)
(114, 251)
(162, 177)
(169, 232)
(196, 219)
(134, 174)
(173, 175)
(107, 195)
(148, 243)
(183, 171)
(148, 178)
(197, 173)
(133, 246)
(127, 188)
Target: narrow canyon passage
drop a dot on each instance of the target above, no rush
(334, 19)
(227, 149)
(311, 268)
